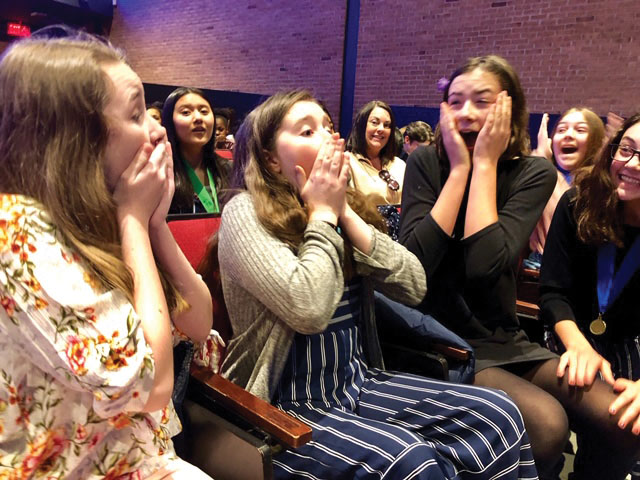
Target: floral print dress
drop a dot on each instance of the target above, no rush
(75, 370)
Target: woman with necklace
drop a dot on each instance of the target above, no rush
(200, 174)
(374, 168)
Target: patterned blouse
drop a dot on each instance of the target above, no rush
(76, 370)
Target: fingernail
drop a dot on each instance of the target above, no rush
(622, 424)
(612, 411)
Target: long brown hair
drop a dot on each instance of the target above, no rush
(596, 137)
(598, 209)
(53, 136)
(519, 143)
(278, 204)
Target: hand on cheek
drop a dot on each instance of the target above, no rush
(494, 136)
(142, 184)
(453, 143)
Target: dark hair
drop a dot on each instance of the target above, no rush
(598, 210)
(184, 195)
(225, 113)
(357, 142)
(597, 135)
(157, 105)
(399, 141)
(419, 131)
(508, 78)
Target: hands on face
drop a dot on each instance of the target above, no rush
(324, 191)
(455, 146)
(146, 183)
(494, 135)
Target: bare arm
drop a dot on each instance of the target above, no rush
(196, 321)
(137, 194)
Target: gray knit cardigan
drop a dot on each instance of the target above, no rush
(272, 292)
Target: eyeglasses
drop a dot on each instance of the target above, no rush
(392, 183)
(623, 153)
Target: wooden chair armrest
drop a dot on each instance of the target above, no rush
(531, 273)
(286, 429)
(452, 352)
(527, 308)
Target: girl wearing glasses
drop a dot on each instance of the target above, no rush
(374, 168)
(590, 287)
(469, 206)
(299, 289)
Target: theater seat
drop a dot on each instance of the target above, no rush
(232, 433)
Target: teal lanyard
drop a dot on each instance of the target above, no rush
(210, 204)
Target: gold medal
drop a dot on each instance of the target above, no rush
(598, 326)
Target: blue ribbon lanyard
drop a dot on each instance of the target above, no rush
(610, 283)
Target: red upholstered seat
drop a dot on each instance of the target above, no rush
(228, 154)
(192, 232)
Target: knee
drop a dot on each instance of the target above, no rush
(549, 434)
(502, 410)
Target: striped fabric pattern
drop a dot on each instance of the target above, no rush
(624, 357)
(372, 424)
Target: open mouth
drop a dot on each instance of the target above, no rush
(469, 139)
(569, 149)
(628, 179)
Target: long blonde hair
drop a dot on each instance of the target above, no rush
(53, 136)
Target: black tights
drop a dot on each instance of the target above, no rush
(549, 405)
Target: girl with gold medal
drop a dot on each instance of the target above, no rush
(590, 287)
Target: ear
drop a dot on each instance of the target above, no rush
(407, 139)
(273, 162)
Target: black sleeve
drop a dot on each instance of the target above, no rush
(526, 190)
(557, 277)
(419, 232)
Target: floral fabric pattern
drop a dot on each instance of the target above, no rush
(76, 370)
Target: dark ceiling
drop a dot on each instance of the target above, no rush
(91, 15)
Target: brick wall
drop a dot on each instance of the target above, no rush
(567, 52)
(255, 46)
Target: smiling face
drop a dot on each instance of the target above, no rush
(299, 138)
(570, 141)
(626, 176)
(470, 97)
(378, 131)
(128, 121)
(193, 120)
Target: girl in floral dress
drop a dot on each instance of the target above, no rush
(87, 317)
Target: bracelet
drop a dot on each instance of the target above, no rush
(335, 227)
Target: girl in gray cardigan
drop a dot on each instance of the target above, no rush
(298, 267)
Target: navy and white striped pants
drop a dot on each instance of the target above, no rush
(624, 357)
(371, 424)
(406, 427)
